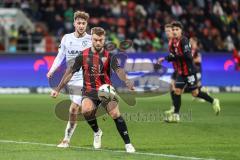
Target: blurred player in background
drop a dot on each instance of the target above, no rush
(197, 59)
(71, 45)
(169, 34)
(181, 55)
(97, 64)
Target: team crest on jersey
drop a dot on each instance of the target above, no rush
(70, 43)
(176, 50)
(104, 59)
(84, 43)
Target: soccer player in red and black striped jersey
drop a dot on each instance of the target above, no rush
(186, 71)
(97, 64)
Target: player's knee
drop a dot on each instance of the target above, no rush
(74, 108)
(195, 93)
(87, 107)
(87, 111)
(178, 91)
(114, 114)
(113, 109)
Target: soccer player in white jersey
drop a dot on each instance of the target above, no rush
(71, 46)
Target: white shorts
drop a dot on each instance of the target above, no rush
(75, 92)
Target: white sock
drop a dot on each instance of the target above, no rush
(69, 131)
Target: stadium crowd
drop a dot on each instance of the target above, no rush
(216, 23)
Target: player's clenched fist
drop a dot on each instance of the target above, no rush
(49, 75)
(54, 94)
(160, 60)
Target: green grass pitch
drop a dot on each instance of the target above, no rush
(201, 134)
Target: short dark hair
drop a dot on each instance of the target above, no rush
(168, 25)
(177, 24)
(98, 31)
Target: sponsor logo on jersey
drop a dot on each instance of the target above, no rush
(84, 43)
(74, 52)
(104, 59)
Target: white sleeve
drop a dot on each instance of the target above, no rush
(60, 56)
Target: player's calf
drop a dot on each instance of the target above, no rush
(71, 125)
(113, 111)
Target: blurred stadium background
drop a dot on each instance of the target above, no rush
(30, 33)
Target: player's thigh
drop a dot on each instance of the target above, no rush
(113, 109)
(195, 92)
(76, 99)
(74, 88)
(173, 79)
(88, 105)
(180, 83)
(199, 79)
(172, 84)
(192, 83)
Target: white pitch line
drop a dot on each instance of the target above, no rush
(108, 150)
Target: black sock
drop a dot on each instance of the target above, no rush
(122, 129)
(177, 103)
(92, 121)
(172, 96)
(205, 96)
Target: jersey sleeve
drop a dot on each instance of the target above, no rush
(114, 62)
(170, 57)
(77, 64)
(60, 56)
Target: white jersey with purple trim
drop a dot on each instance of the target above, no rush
(69, 49)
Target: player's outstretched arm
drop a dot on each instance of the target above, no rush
(65, 79)
(122, 75)
(58, 60)
(68, 75)
(171, 57)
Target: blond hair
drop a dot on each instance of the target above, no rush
(98, 31)
(81, 14)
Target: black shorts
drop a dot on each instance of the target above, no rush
(189, 82)
(96, 101)
(174, 76)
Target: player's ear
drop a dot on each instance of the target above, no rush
(74, 23)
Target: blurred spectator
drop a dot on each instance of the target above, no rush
(140, 42)
(13, 32)
(216, 23)
(2, 37)
(217, 9)
(156, 44)
(228, 43)
(176, 9)
(116, 8)
(12, 48)
(25, 7)
(236, 56)
(22, 40)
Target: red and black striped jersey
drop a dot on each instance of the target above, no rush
(96, 69)
(181, 56)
